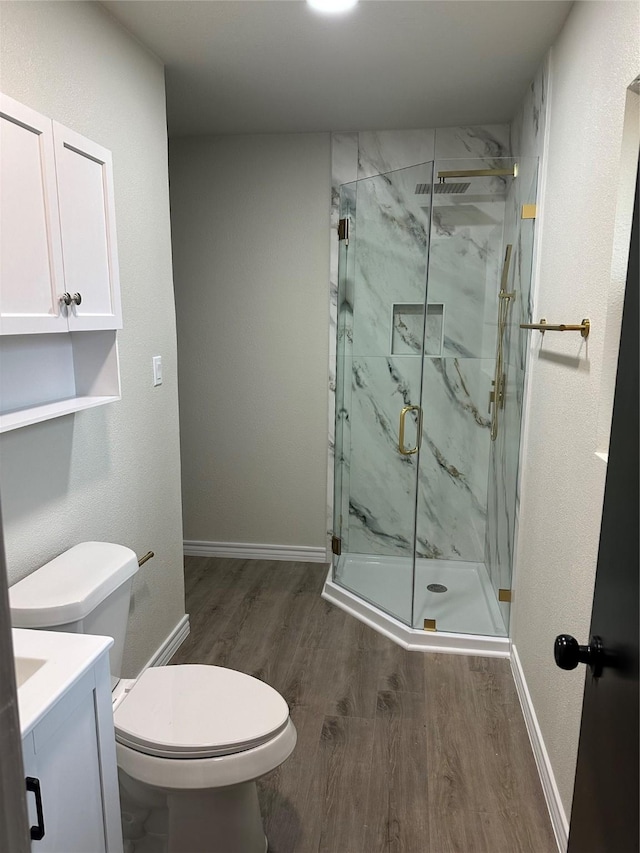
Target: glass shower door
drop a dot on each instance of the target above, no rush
(479, 275)
(382, 294)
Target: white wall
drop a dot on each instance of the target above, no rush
(593, 62)
(110, 473)
(250, 219)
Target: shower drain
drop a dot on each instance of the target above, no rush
(437, 587)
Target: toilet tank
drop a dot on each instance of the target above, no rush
(86, 590)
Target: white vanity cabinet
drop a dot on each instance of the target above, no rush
(69, 759)
(58, 270)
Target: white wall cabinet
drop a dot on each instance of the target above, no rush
(88, 227)
(58, 270)
(71, 753)
(31, 271)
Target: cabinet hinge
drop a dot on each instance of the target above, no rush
(343, 229)
(336, 545)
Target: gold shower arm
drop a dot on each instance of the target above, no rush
(584, 328)
(512, 172)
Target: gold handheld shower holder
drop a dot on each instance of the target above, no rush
(584, 328)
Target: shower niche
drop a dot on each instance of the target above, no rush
(424, 499)
(411, 334)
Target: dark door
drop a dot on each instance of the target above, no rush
(604, 817)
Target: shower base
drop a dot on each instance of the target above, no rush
(467, 616)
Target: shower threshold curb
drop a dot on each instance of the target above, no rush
(411, 638)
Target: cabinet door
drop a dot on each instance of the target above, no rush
(31, 273)
(67, 759)
(87, 218)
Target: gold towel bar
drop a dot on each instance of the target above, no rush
(584, 328)
(146, 557)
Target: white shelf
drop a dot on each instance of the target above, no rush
(47, 376)
(47, 411)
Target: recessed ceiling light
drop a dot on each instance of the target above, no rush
(332, 7)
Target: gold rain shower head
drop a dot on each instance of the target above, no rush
(442, 187)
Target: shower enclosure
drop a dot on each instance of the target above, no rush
(434, 278)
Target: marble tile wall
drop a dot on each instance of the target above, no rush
(526, 139)
(389, 268)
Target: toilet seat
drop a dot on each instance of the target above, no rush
(198, 712)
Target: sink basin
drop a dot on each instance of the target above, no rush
(47, 664)
(26, 667)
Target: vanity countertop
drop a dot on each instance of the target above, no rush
(48, 663)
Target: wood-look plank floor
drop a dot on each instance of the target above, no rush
(401, 752)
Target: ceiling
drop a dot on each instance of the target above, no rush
(265, 66)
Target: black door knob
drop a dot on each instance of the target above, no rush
(569, 654)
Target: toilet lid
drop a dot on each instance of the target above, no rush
(195, 711)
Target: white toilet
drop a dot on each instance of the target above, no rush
(190, 740)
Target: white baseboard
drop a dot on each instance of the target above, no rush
(557, 813)
(249, 551)
(170, 646)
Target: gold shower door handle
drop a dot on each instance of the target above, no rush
(403, 415)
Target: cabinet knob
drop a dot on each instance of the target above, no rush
(66, 298)
(77, 298)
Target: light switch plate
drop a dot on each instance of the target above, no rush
(157, 369)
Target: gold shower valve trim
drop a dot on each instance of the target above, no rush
(496, 396)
